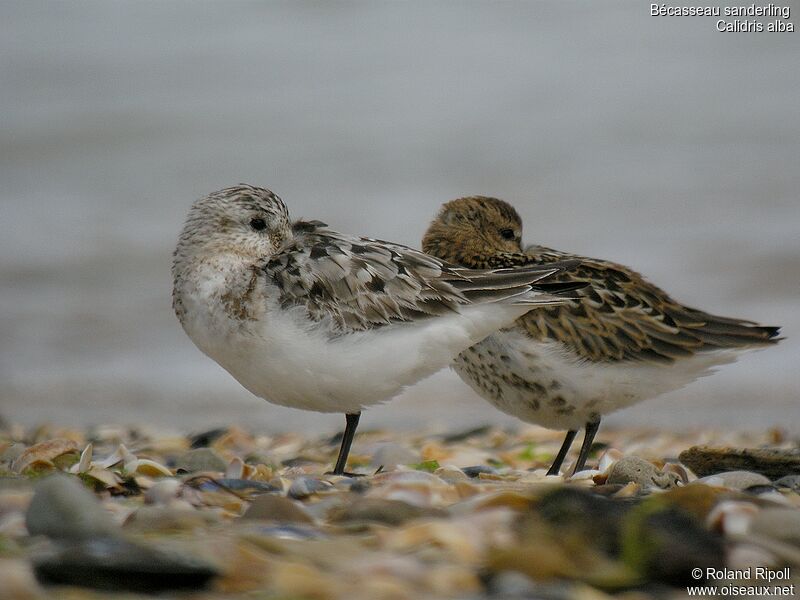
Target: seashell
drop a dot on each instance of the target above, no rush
(238, 469)
(43, 454)
(145, 466)
(85, 463)
(731, 517)
(235, 469)
(608, 458)
(585, 475)
(679, 470)
(628, 491)
(120, 455)
(109, 479)
(450, 474)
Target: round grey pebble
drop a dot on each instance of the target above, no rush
(476, 470)
(201, 459)
(62, 508)
(637, 470)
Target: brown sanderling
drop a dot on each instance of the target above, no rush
(306, 317)
(620, 341)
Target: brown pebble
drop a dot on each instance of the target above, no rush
(277, 508)
(773, 463)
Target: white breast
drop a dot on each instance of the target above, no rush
(285, 358)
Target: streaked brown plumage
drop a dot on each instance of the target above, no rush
(620, 333)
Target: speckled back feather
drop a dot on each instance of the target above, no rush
(362, 283)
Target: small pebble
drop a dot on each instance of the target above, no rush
(277, 508)
(637, 470)
(62, 508)
(476, 470)
(735, 480)
(117, 564)
(201, 460)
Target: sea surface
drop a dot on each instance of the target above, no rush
(657, 142)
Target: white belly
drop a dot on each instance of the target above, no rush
(546, 384)
(283, 357)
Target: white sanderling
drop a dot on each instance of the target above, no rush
(306, 317)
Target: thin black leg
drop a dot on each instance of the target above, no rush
(588, 438)
(347, 441)
(562, 453)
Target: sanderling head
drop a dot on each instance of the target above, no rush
(473, 226)
(243, 220)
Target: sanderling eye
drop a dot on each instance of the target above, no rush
(258, 224)
(507, 234)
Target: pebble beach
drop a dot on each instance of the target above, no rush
(119, 512)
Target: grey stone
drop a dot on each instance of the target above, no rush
(277, 508)
(772, 462)
(637, 470)
(62, 508)
(476, 470)
(117, 564)
(735, 480)
(201, 459)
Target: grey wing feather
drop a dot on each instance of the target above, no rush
(362, 283)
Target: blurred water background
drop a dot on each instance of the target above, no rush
(656, 142)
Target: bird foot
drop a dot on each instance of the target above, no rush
(345, 474)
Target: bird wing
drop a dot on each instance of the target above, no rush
(363, 283)
(621, 316)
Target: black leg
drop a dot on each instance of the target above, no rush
(347, 441)
(588, 438)
(562, 453)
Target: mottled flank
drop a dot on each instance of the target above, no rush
(619, 340)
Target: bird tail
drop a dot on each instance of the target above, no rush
(724, 332)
